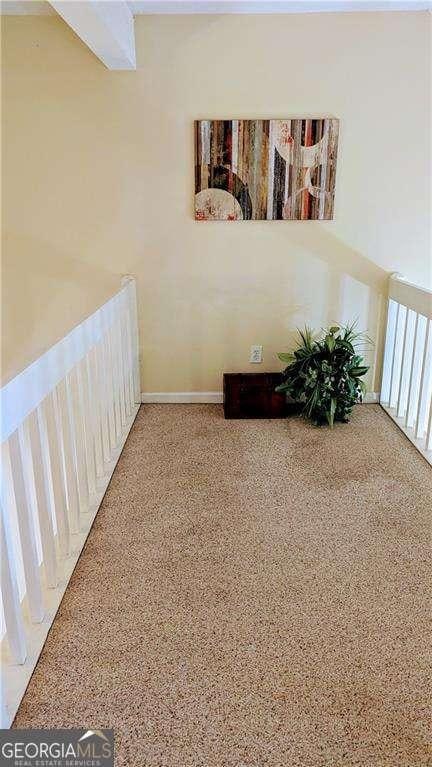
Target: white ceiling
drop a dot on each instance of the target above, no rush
(36, 8)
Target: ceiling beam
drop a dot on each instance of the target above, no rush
(107, 28)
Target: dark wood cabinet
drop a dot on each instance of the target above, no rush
(253, 395)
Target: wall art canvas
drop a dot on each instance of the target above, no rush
(265, 169)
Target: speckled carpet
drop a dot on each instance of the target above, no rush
(252, 593)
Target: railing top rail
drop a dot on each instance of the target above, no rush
(413, 296)
(20, 396)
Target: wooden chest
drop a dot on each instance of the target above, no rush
(253, 395)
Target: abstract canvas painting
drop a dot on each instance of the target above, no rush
(265, 169)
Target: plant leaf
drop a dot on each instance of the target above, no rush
(345, 345)
(286, 357)
(330, 342)
(307, 338)
(333, 406)
(331, 413)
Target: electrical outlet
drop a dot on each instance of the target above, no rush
(255, 354)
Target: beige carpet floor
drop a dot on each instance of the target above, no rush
(252, 594)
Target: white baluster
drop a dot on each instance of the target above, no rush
(84, 408)
(26, 530)
(120, 367)
(396, 361)
(77, 428)
(11, 605)
(94, 411)
(127, 362)
(422, 391)
(69, 458)
(135, 339)
(411, 375)
(42, 502)
(115, 383)
(128, 345)
(388, 352)
(55, 476)
(5, 718)
(110, 398)
(131, 361)
(103, 401)
(126, 351)
(400, 392)
(428, 440)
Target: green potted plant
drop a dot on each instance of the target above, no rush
(324, 374)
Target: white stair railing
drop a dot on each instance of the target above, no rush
(406, 392)
(64, 421)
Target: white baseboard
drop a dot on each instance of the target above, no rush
(371, 398)
(208, 397)
(185, 397)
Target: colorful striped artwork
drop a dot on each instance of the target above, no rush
(265, 169)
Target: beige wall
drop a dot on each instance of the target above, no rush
(98, 175)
